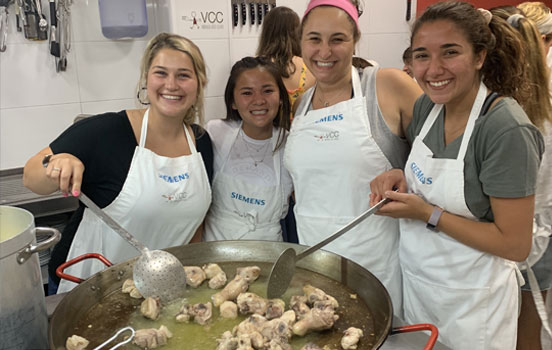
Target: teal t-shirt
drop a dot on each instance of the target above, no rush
(503, 155)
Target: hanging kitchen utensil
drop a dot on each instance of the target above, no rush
(259, 13)
(54, 45)
(284, 267)
(157, 272)
(243, 12)
(266, 7)
(4, 23)
(19, 18)
(252, 12)
(30, 28)
(64, 33)
(235, 13)
(408, 10)
(42, 23)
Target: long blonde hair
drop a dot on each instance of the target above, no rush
(538, 107)
(179, 43)
(539, 13)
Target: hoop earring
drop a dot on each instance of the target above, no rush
(139, 97)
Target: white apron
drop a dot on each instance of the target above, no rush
(332, 157)
(241, 210)
(162, 203)
(471, 296)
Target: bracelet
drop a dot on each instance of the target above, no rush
(434, 219)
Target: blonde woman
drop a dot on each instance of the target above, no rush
(534, 22)
(147, 168)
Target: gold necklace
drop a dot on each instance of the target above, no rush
(326, 103)
(250, 149)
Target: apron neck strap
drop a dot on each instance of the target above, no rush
(357, 91)
(144, 133)
(474, 114)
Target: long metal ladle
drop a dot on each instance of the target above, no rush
(156, 273)
(284, 268)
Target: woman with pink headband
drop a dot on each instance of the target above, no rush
(347, 129)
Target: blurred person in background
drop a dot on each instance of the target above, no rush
(407, 60)
(539, 110)
(280, 42)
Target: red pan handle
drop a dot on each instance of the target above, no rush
(420, 327)
(62, 267)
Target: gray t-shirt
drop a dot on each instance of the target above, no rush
(503, 155)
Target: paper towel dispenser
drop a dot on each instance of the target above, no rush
(123, 18)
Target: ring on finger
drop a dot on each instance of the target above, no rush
(56, 169)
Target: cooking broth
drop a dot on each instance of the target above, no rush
(118, 310)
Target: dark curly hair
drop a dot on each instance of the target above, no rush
(504, 69)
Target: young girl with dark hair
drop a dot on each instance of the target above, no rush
(251, 188)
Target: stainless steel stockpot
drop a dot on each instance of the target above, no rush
(23, 318)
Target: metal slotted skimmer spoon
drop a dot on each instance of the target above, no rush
(284, 268)
(157, 273)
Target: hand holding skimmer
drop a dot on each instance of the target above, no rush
(284, 267)
(156, 272)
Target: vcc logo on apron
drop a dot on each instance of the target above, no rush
(176, 196)
(328, 136)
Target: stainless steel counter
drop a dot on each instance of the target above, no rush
(405, 341)
(12, 192)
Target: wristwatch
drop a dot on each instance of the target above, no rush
(46, 160)
(434, 219)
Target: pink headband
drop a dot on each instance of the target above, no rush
(345, 5)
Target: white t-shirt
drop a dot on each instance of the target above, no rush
(244, 154)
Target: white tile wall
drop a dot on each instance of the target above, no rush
(215, 54)
(25, 131)
(108, 70)
(214, 108)
(386, 49)
(36, 103)
(388, 17)
(28, 77)
(98, 107)
(241, 47)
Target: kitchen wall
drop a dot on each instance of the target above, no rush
(36, 103)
